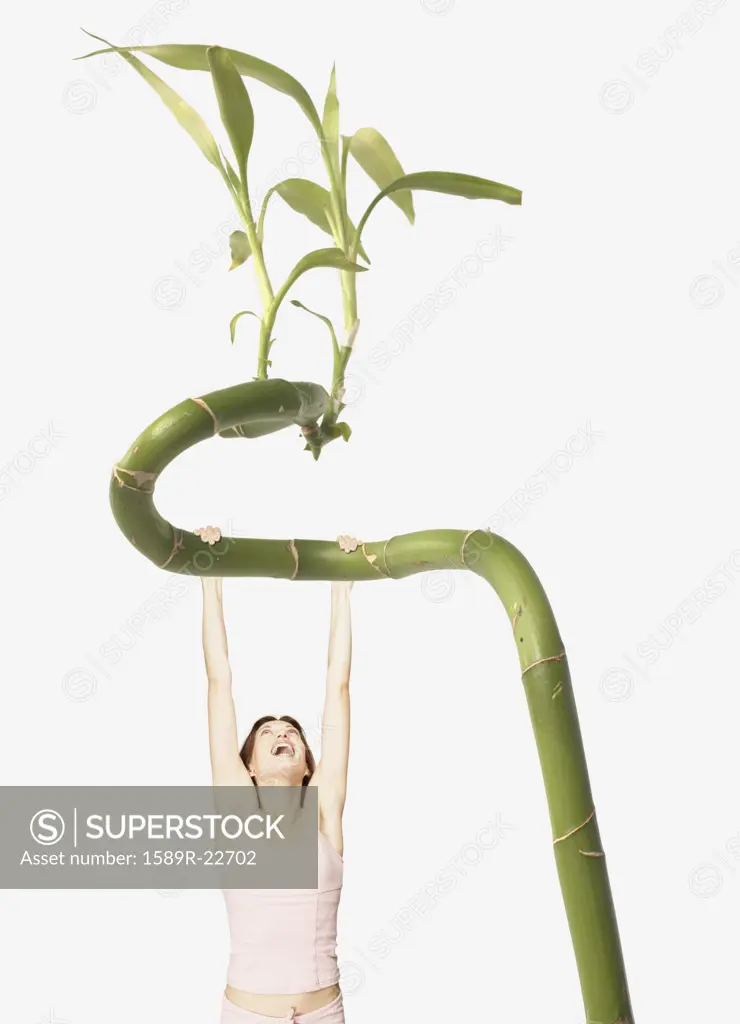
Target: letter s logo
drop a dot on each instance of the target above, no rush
(47, 827)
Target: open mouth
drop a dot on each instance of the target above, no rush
(283, 749)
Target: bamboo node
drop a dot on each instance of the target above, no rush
(294, 551)
(385, 560)
(351, 334)
(140, 476)
(178, 545)
(576, 829)
(541, 661)
(465, 539)
(202, 404)
(371, 559)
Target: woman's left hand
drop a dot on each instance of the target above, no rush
(347, 543)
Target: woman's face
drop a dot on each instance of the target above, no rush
(279, 755)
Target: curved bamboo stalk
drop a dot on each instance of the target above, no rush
(261, 407)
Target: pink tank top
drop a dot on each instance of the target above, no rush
(283, 941)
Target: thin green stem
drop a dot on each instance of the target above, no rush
(355, 243)
(263, 211)
(339, 221)
(345, 155)
(263, 280)
(270, 315)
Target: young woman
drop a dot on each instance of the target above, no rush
(283, 963)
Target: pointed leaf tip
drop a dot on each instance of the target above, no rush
(330, 119)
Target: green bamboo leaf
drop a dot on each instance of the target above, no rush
(311, 200)
(453, 184)
(235, 107)
(333, 258)
(340, 430)
(188, 118)
(324, 319)
(191, 57)
(234, 319)
(240, 248)
(308, 198)
(330, 119)
(320, 316)
(448, 182)
(374, 155)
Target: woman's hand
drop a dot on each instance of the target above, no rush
(210, 534)
(211, 584)
(348, 544)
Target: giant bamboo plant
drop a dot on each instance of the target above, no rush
(262, 406)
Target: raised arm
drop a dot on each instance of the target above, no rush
(331, 774)
(227, 767)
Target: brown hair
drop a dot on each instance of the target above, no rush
(248, 748)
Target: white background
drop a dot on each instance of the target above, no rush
(611, 309)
